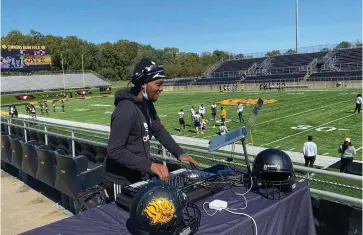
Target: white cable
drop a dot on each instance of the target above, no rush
(254, 222)
(236, 213)
(233, 209)
(206, 210)
(243, 195)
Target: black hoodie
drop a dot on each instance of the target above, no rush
(133, 123)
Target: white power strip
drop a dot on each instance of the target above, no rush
(218, 205)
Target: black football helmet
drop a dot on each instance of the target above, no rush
(273, 174)
(159, 208)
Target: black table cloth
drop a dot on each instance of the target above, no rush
(291, 215)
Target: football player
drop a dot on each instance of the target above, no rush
(214, 113)
(202, 111)
(192, 113)
(239, 111)
(197, 121)
(223, 115)
(181, 120)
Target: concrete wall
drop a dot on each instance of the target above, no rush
(256, 86)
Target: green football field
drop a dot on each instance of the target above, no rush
(285, 124)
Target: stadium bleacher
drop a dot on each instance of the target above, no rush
(336, 75)
(293, 67)
(26, 83)
(295, 60)
(236, 65)
(353, 55)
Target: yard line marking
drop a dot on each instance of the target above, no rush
(309, 110)
(359, 149)
(325, 154)
(291, 149)
(306, 130)
(277, 147)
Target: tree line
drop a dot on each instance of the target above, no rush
(115, 61)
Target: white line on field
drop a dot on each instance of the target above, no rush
(325, 154)
(277, 147)
(359, 148)
(307, 130)
(291, 149)
(306, 111)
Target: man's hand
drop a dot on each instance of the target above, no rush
(160, 170)
(187, 158)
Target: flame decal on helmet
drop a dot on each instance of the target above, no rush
(160, 210)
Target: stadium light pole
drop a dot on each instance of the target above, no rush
(296, 24)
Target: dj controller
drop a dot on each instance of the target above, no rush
(194, 183)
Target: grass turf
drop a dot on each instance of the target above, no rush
(285, 124)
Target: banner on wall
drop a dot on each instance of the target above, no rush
(25, 58)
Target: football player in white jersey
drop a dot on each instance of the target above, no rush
(202, 111)
(223, 129)
(181, 120)
(192, 113)
(240, 111)
(197, 122)
(214, 113)
(203, 126)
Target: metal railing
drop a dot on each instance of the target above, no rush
(213, 68)
(252, 70)
(311, 68)
(265, 66)
(322, 182)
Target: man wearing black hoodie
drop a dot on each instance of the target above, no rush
(133, 123)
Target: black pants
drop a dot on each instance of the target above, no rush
(358, 107)
(240, 117)
(345, 163)
(182, 123)
(309, 161)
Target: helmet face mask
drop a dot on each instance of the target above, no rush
(273, 174)
(159, 208)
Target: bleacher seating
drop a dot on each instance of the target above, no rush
(349, 56)
(203, 81)
(275, 77)
(12, 84)
(236, 65)
(295, 60)
(336, 75)
(293, 67)
(178, 81)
